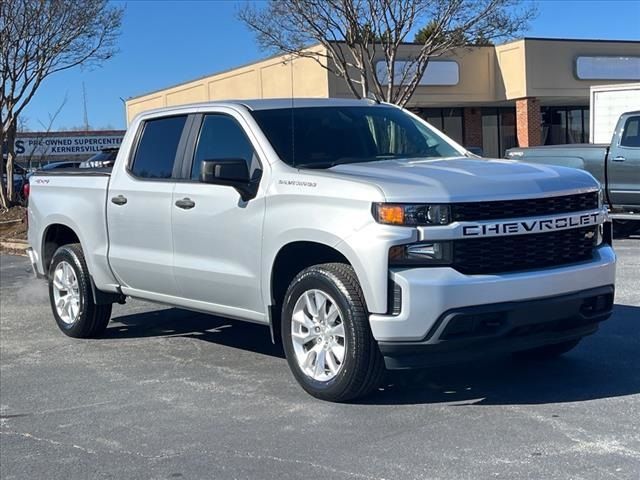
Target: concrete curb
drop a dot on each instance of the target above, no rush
(14, 245)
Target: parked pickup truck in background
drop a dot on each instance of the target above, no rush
(361, 236)
(616, 166)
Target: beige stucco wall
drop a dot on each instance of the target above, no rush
(270, 78)
(477, 81)
(510, 70)
(488, 76)
(550, 66)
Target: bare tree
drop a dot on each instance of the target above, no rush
(357, 34)
(43, 134)
(39, 38)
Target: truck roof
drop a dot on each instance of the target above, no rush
(268, 104)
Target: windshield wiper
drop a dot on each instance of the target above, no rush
(333, 163)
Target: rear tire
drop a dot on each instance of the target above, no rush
(324, 309)
(547, 352)
(71, 295)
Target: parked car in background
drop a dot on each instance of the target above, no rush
(56, 166)
(616, 166)
(19, 178)
(104, 159)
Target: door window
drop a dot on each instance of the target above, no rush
(631, 133)
(221, 137)
(156, 152)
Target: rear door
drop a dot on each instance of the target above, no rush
(624, 164)
(139, 207)
(217, 238)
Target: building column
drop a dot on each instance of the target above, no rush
(528, 122)
(472, 118)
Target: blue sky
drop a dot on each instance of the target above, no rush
(168, 42)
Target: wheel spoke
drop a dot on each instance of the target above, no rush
(319, 366)
(310, 357)
(311, 304)
(338, 351)
(331, 362)
(337, 330)
(65, 275)
(321, 302)
(332, 314)
(303, 337)
(302, 318)
(58, 279)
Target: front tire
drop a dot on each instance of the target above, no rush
(326, 334)
(71, 296)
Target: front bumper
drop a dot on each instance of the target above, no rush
(428, 293)
(466, 333)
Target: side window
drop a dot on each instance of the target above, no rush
(631, 133)
(156, 152)
(221, 137)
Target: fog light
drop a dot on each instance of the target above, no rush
(417, 254)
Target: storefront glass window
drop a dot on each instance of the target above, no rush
(490, 132)
(563, 125)
(447, 120)
(498, 131)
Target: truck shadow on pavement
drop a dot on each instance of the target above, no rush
(604, 365)
(174, 322)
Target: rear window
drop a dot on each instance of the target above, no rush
(156, 152)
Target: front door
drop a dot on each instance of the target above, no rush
(139, 208)
(624, 164)
(217, 236)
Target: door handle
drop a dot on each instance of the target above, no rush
(619, 158)
(185, 204)
(119, 200)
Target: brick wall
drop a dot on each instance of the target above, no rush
(472, 127)
(528, 122)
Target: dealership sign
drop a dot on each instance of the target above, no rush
(30, 146)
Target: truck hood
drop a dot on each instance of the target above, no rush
(464, 179)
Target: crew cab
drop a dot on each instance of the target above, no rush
(616, 166)
(361, 236)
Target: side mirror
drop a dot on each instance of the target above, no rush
(233, 172)
(225, 171)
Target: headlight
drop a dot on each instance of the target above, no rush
(423, 253)
(411, 214)
(600, 197)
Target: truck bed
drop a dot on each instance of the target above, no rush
(69, 198)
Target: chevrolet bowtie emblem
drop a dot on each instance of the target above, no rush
(589, 235)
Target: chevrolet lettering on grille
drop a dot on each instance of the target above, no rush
(531, 226)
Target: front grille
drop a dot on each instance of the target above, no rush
(523, 252)
(532, 207)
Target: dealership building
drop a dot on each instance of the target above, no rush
(532, 91)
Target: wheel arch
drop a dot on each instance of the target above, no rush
(54, 236)
(288, 261)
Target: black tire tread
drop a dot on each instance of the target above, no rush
(367, 376)
(97, 316)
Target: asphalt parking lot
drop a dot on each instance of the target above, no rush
(174, 394)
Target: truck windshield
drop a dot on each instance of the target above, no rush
(321, 137)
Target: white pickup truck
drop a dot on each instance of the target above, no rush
(360, 235)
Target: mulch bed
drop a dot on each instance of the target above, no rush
(13, 226)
